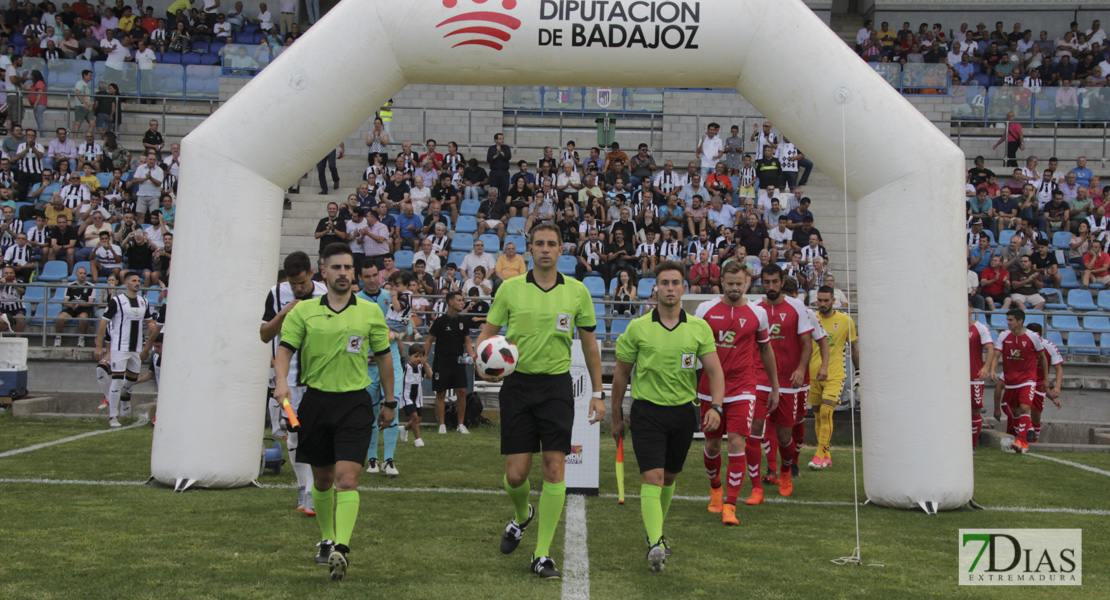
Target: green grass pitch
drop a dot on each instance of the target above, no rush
(437, 536)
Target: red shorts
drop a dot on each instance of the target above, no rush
(737, 418)
(802, 400)
(785, 413)
(1018, 396)
(977, 397)
(1038, 397)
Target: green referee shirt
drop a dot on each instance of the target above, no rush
(541, 323)
(334, 345)
(666, 359)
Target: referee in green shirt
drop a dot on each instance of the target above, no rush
(334, 336)
(541, 309)
(664, 346)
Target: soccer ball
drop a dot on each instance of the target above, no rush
(497, 357)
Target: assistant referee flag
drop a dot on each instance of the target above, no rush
(334, 345)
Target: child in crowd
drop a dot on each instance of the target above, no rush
(400, 308)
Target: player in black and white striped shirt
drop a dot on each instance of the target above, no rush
(297, 286)
(11, 299)
(126, 316)
(28, 155)
(412, 393)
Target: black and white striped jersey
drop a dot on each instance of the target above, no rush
(10, 299)
(126, 319)
(31, 162)
(280, 295)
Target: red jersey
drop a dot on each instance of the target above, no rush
(738, 331)
(1051, 355)
(1019, 357)
(789, 322)
(979, 338)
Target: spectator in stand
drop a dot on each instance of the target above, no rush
(21, 256)
(420, 195)
(63, 241)
(734, 151)
(780, 237)
(11, 295)
(78, 305)
(478, 257)
(614, 155)
(1012, 253)
(621, 251)
(981, 208)
(1067, 100)
(973, 295)
(498, 156)
(1082, 173)
(1013, 136)
(1096, 263)
(720, 184)
(769, 173)
(1005, 210)
(697, 217)
(803, 233)
(569, 227)
(568, 182)
(592, 256)
(1015, 183)
(508, 265)
(815, 274)
(705, 277)
(642, 166)
(390, 223)
(979, 173)
(1025, 285)
(814, 249)
(475, 180)
(1057, 212)
(529, 178)
(433, 217)
(710, 149)
(666, 181)
(89, 235)
(396, 191)
(106, 256)
(753, 236)
(409, 224)
(521, 196)
(648, 253)
(1079, 208)
(994, 284)
(493, 214)
(478, 282)
(441, 244)
(1069, 187)
(139, 252)
(592, 190)
(798, 215)
(624, 294)
(1044, 263)
(146, 184)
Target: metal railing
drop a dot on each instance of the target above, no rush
(1039, 131)
(42, 310)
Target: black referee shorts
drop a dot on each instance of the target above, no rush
(448, 376)
(661, 435)
(537, 412)
(334, 426)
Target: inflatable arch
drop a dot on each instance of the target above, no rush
(906, 175)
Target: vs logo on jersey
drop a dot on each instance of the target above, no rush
(689, 361)
(726, 337)
(1015, 354)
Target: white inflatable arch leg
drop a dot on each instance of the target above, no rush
(906, 174)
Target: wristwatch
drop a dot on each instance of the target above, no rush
(390, 405)
(718, 408)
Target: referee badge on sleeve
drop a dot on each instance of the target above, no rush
(689, 361)
(354, 344)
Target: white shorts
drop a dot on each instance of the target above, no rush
(492, 223)
(125, 361)
(1031, 300)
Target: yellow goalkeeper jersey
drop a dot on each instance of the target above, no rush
(840, 330)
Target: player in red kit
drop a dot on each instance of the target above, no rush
(741, 333)
(1056, 361)
(1022, 356)
(790, 339)
(979, 339)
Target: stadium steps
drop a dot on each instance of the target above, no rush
(846, 26)
(828, 216)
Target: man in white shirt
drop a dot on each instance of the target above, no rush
(147, 185)
(145, 59)
(61, 148)
(1097, 34)
(265, 19)
(106, 256)
(864, 34)
(710, 149)
(780, 239)
(478, 258)
(764, 137)
(90, 150)
(172, 163)
(431, 260)
(222, 28)
(117, 51)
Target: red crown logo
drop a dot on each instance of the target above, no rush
(482, 35)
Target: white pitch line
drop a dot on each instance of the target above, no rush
(576, 557)
(139, 423)
(1072, 511)
(1070, 464)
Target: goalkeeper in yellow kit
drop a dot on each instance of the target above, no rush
(825, 395)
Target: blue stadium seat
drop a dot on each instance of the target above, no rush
(599, 310)
(251, 27)
(469, 207)
(1082, 342)
(1054, 337)
(998, 320)
(1049, 305)
(566, 264)
(516, 226)
(456, 257)
(34, 294)
(1031, 318)
(1068, 280)
(171, 58)
(258, 37)
(1099, 324)
(982, 79)
(191, 58)
(1081, 300)
(643, 288)
(1004, 237)
(462, 242)
(596, 286)
(59, 293)
(104, 179)
(466, 224)
(1104, 300)
(210, 58)
(198, 47)
(618, 326)
(492, 242)
(1104, 344)
(28, 225)
(602, 330)
(1066, 322)
(153, 297)
(520, 242)
(244, 38)
(55, 270)
(45, 313)
(17, 38)
(402, 259)
(78, 265)
(1061, 240)
(169, 84)
(215, 47)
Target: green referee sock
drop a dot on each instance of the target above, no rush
(519, 496)
(665, 500)
(552, 498)
(324, 502)
(346, 511)
(652, 510)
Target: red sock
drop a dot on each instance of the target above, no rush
(736, 465)
(771, 447)
(789, 454)
(799, 435)
(712, 468)
(753, 450)
(1037, 430)
(976, 427)
(1024, 424)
